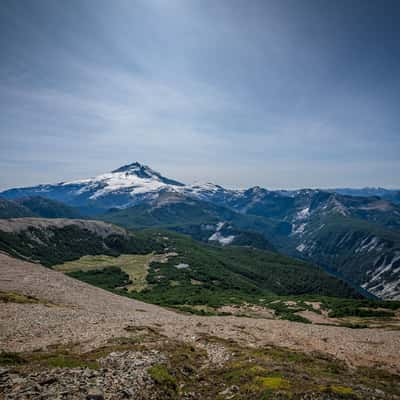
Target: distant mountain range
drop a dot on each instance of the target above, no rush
(136, 183)
(353, 233)
(387, 194)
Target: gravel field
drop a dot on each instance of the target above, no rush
(72, 312)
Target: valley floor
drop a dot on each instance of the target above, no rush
(45, 315)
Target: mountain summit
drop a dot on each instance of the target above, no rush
(145, 172)
(356, 237)
(123, 187)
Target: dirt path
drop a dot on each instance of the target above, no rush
(90, 316)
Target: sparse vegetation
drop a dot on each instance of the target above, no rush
(164, 380)
(262, 373)
(108, 278)
(7, 358)
(12, 297)
(135, 265)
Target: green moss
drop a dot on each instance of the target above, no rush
(273, 382)
(341, 389)
(67, 361)
(164, 380)
(12, 297)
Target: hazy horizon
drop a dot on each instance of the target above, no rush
(280, 94)
(213, 182)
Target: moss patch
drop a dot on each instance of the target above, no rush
(164, 380)
(273, 382)
(12, 297)
(341, 389)
(68, 361)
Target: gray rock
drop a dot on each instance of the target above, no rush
(95, 394)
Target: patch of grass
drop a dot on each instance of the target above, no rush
(273, 382)
(12, 297)
(68, 361)
(164, 380)
(364, 308)
(135, 265)
(341, 389)
(288, 312)
(7, 358)
(59, 358)
(127, 341)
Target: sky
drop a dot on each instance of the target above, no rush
(275, 93)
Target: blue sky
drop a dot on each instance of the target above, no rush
(276, 93)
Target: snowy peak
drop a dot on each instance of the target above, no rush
(131, 180)
(138, 169)
(144, 172)
(125, 186)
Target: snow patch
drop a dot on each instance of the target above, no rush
(224, 240)
(299, 229)
(182, 266)
(303, 214)
(368, 244)
(301, 247)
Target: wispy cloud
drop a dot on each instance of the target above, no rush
(242, 94)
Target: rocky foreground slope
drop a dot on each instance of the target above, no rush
(45, 315)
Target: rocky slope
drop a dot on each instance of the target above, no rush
(55, 313)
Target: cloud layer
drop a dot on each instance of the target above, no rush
(282, 94)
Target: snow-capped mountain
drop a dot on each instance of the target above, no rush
(120, 188)
(327, 227)
(124, 187)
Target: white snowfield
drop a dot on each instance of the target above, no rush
(127, 180)
(134, 180)
(224, 240)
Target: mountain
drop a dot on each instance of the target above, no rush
(122, 187)
(47, 208)
(185, 271)
(386, 194)
(202, 274)
(364, 253)
(299, 205)
(200, 219)
(301, 223)
(356, 238)
(51, 241)
(11, 209)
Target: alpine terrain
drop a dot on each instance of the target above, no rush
(354, 235)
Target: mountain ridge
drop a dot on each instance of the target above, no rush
(135, 182)
(299, 223)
